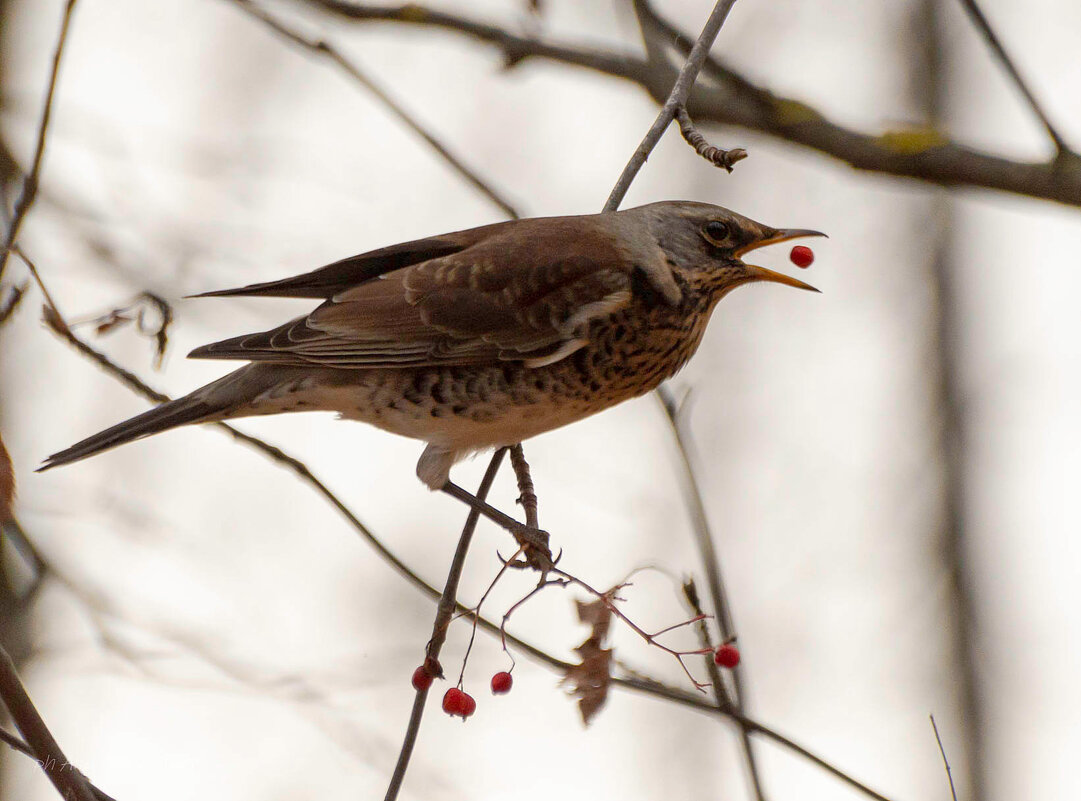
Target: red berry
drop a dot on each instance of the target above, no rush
(453, 702)
(469, 705)
(501, 683)
(727, 656)
(802, 256)
(422, 679)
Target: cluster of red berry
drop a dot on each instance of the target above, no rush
(457, 702)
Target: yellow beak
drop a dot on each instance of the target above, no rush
(774, 236)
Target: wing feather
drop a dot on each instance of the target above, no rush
(530, 293)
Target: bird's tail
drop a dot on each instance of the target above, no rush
(215, 401)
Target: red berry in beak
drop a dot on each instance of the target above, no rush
(802, 256)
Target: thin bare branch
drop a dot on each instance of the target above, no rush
(16, 744)
(946, 762)
(677, 97)
(711, 564)
(68, 781)
(515, 47)
(325, 49)
(444, 612)
(30, 181)
(695, 702)
(981, 22)
(924, 154)
(533, 541)
(12, 301)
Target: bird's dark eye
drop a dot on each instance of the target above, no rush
(715, 231)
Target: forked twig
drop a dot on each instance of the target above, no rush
(609, 598)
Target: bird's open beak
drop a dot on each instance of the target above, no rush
(773, 237)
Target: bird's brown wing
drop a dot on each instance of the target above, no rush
(327, 281)
(525, 293)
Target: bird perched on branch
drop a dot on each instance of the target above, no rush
(486, 337)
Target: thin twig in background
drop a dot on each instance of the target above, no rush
(69, 782)
(515, 48)
(327, 50)
(12, 301)
(946, 762)
(927, 155)
(15, 743)
(711, 563)
(30, 180)
(677, 97)
(448, 602)
(719, 157)
(945, 359)
(984, 27)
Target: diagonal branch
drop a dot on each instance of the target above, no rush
(675, 100)
(980, 21)
(323, 48)
(711, 564)
(30, 182)
(448, 602)
(515, 47)
(69, 782)
(924, 154)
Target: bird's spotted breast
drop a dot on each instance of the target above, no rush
(473, 407)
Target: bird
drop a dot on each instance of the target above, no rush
(482, 338)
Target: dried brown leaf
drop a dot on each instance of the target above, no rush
(7, 484)
(597, 615)
(591, 678)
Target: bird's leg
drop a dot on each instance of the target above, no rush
(527, 497)
(533, 540)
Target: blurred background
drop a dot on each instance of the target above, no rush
(890, 467)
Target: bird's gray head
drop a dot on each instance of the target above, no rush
(706, 243)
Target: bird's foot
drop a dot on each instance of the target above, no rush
(533, 541)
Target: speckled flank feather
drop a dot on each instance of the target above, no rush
(484, 337)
